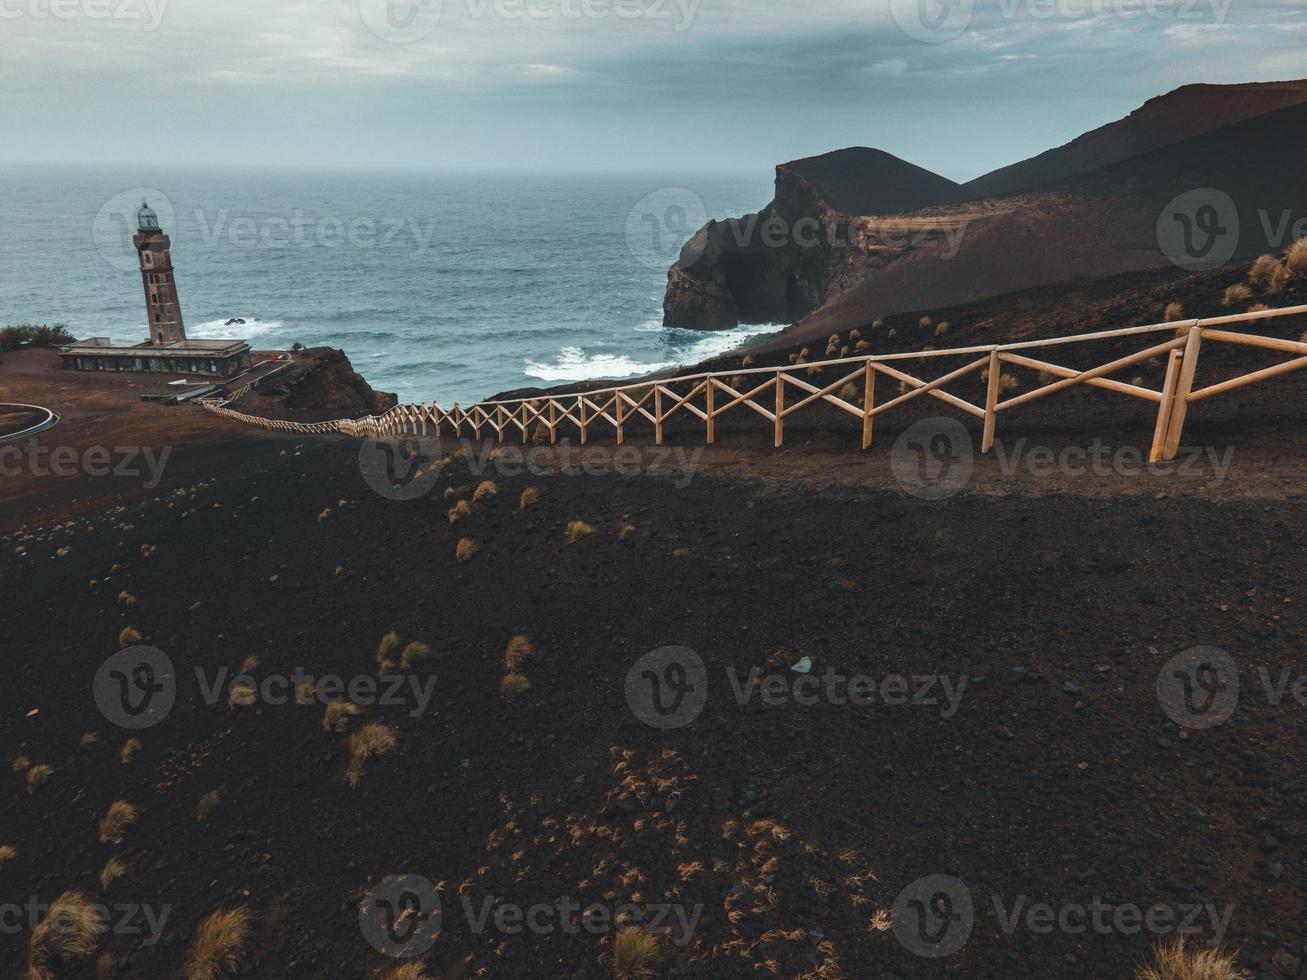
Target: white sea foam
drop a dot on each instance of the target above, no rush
(574, 364)
(690, 346)
(252, 327)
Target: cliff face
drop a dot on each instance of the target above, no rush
(862, 221)
(780, 264)
(329, 381)
(322, 383)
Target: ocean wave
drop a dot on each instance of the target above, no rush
(574, 364)
(252, 327)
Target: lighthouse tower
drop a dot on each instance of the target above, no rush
(161, 304)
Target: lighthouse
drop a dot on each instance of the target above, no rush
(161, 304)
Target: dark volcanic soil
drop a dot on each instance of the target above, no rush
(794, 826)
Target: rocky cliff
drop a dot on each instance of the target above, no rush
(780, 264)
(859, 221)
(321, 383)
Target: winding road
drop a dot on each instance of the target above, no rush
(24, 415)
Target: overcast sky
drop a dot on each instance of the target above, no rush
(680, 85)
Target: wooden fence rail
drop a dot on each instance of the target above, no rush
(763, 390)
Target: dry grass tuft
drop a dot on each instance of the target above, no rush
(372, 739)
(130, 749)
(1258, 308)
(941, 328)
(126, 598)
(127, 636)
(850, 393)
(634, 954)
(37, 777)
(114, 824)
(219, 945)
(486, 489)
(241, 694)
(1278, 281)
(465, 550)
(747, 362)
(414, 653)
(88, 739)
(209, 802)
(1295, 258)
(409, 971)
(106, 967)
(576, 530)
(1263, 269)
(337, 716)
(148, 551)
(112, 871)
(528, 499)
(514, 686)
(861, 346)
(388, 647)
(1174, 311)
(626, 531)
(1007, 382)
(21, 763)
(71, 930)
(7, 853)
(1236, 295)
(518, 652)
(1177, 962)
(249, 665)
(459, 511)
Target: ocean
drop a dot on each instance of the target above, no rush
(440, 286)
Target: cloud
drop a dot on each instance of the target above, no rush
(545, 71)
(892, 66)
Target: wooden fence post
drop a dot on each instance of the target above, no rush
(658, 414)
(1183, 385)
(580, 415)
(991, 401)
(708, 402)
(1164, 409)
(617, 414)
(868, 400)
(780, 409)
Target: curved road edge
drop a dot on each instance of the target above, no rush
(50, 421)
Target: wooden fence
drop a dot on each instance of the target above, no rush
(709, 396)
